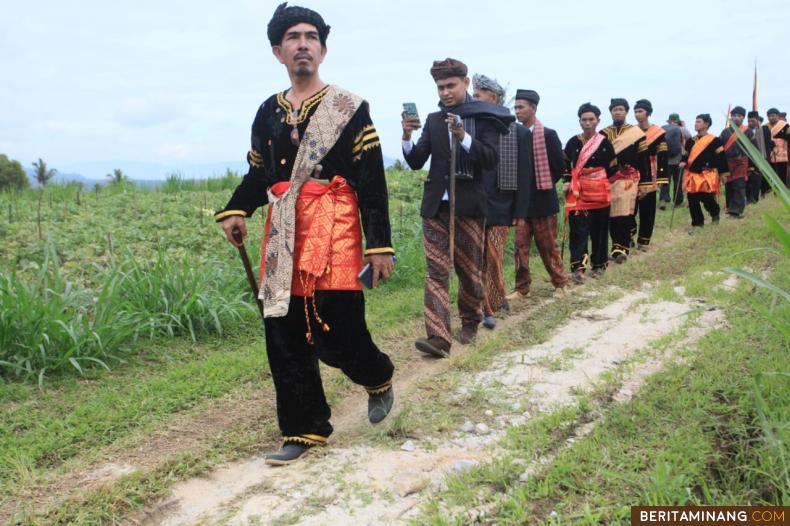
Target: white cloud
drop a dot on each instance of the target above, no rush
(145, 111)
(174, 151)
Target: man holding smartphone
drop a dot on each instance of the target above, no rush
(316, 159)
(477, 135)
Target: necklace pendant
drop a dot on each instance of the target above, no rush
(295, 136)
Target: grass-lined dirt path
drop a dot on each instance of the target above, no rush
(201, 460)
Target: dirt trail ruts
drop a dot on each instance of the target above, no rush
(363, 484)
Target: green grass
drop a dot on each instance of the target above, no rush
(710, 430)
(74, 420)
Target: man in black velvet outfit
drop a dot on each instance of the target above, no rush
(316, 160)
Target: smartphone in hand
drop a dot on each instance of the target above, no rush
(366, 274)
(410, 111)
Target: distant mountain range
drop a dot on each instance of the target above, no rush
(145, 174)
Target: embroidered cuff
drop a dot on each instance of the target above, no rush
(224, 214)
(380, 250)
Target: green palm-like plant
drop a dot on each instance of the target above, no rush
(43, 174)
(117, 176)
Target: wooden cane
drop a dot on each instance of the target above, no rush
(453, 150)
(236, 233)
(675, 200)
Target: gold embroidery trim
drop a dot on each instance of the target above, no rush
(255, 159)
(364, 131)
(227, 213)
(383, 388)
(307, 105)
(371, 136)
(366, 147)
(382, 250)
(308, 440)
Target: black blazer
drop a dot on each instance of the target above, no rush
(531, 202)
(470, 199)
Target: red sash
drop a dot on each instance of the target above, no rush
(589, 186)
(734, 137)
(328, 241)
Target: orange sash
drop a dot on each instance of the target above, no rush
(734, 137)
(698, 148)
(706, 182)
(779, 126)
(653, 133)
(328, 240)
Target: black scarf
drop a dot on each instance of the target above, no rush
(471, 110)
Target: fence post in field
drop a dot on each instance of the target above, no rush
(38, 217)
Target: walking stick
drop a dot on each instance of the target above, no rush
(563, 238)
(453, 150)
(236, 233)
(675, 201)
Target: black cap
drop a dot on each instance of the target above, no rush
(619, 102)
(772, 110)
(754, 115)
(645, 105)
(738, 110)
(285, 17)
(587, 108)
(528, 95)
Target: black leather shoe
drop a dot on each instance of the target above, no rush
(289, 452)
(434, 346)
(489, 322)
(379, 405)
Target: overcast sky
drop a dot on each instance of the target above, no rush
(178, 82)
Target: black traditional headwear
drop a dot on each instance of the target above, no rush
(528, 95)
(738, 110)
(619, 102)
(706, 117)
(645, 105)
(449, 67)
(753, 115)
(772, 110)
(587, 107)
(286, 17)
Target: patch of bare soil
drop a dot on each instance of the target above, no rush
(363, 484)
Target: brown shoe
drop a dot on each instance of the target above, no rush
(468, 334)
(559, 293)
(434, 346)
(515, 296)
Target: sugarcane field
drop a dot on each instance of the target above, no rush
(257, 272)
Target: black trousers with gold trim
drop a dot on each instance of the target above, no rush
(646, 210)
(302, 410)
(589, 229)
(620, 228)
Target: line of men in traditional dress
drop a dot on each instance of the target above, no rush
(613, 181)
(315, 158)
